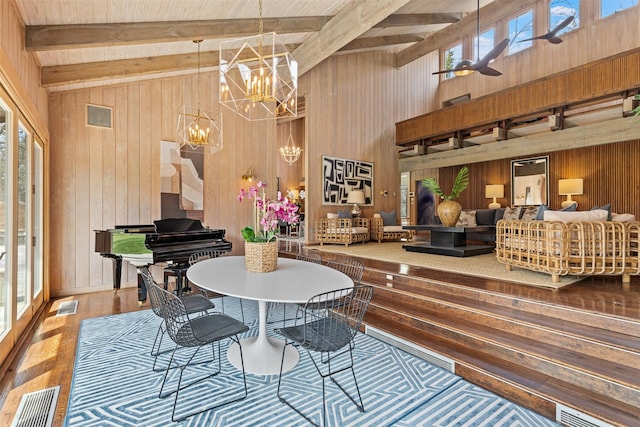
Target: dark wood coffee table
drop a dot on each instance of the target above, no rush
(451, 241)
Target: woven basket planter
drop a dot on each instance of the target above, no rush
(261, 257)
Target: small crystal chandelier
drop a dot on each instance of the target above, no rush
(290, 153)
(258, 77)
(196, 128)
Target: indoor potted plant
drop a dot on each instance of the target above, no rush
(261, 245)
(449, 209)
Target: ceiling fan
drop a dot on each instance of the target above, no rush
(466, 67)
(551, 35)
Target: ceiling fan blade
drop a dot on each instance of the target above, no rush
(493, 54)
(532, 38)
(560, 26)
(488, 71)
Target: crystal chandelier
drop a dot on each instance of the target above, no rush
(258, 76)
(196, 128)
(290, 153)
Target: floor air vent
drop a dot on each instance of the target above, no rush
(571, 417)
(36, 409)
(67, 307)
(416, 350)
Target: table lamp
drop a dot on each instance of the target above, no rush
(494, 191)
(357, 198)
(569, 187)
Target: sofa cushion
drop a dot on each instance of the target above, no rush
(389, 218)
(467, 219)
(563, 216)
(625, 217)
(486, 216)
(392, 229)
(511, 213)
(530, 213)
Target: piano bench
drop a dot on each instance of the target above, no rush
(180, 273)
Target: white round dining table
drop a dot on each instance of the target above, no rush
(293, 281)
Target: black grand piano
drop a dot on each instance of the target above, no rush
(170, 240)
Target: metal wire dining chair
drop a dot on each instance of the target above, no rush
(193, 304)
(194, 331)
(208, 254)
(331, 321)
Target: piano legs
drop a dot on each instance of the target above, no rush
(117, 270)
(117, 277)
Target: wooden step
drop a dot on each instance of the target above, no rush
(427, 286)
(578, 346)
(526, 387)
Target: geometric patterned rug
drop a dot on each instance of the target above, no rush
(114, 385)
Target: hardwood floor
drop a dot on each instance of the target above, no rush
(424, 306)
(47, 358)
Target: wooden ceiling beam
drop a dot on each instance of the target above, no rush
(57, 75)
(371, 42)
(351, 22)
(493, 12)
(56, 37)
(417, 19)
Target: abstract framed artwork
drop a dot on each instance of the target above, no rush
(341, 176)
(181, 181)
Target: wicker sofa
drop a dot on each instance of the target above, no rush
(342, 230)
(381, 232)
(573, 247)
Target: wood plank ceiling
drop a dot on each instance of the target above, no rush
(83, 43)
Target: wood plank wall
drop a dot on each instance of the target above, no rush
(609, 171)
(20, 72)
(108, 177)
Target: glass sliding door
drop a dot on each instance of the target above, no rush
(23, 253)
(5, 304)
(38, 220)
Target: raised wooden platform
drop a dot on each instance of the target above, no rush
(578, 347)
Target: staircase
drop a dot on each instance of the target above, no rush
(572, 364)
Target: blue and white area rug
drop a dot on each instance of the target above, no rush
(114, 385)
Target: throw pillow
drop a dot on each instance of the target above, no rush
(541, 211)
(344, 214)
(570, 208)
(389, 218)
(467, 219)
(332, 215)
(606, 207)
(511, 213)
(530, 213)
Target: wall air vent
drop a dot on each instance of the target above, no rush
(411, 348)
(99, 116)
(457, 100)
(572, 418)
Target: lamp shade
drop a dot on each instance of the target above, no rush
(496, 190)
(356, 196)
(570, 186)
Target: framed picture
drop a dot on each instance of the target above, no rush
(530, 181)
(341, 176)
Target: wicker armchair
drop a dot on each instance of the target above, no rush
(342, 230)
(381, 232)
